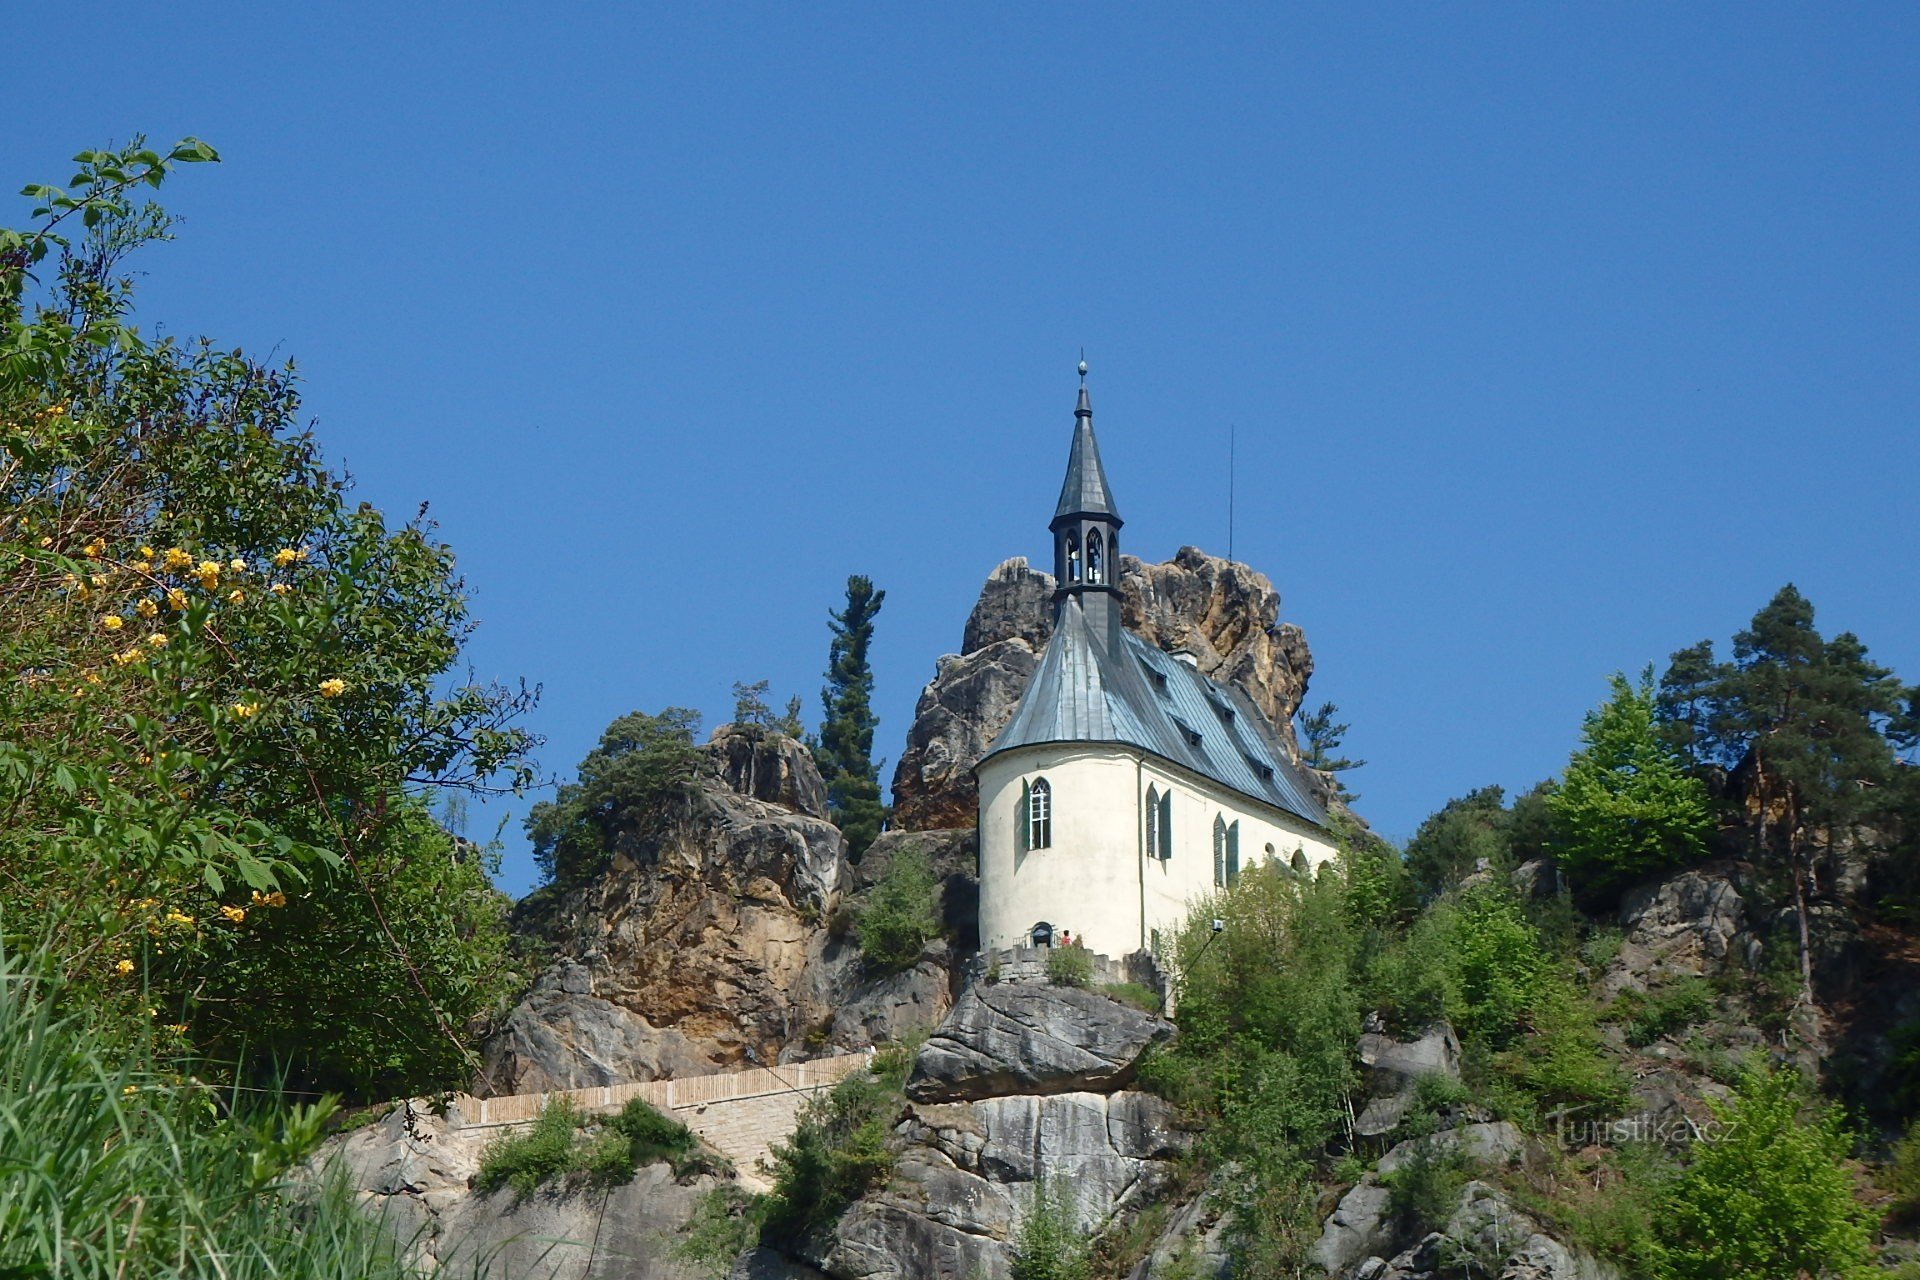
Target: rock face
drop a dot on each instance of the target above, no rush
(1225, 615)
(1683, 926)
(1394, 1070)
(412, 1168)
(698, 950)
(1032, 1038)
(1018, 1089)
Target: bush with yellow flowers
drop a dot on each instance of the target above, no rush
(223, 689)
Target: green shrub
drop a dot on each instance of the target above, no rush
(116, 1170)
(1425, 1189)
(899, 917)
(839, 1149)
(651, 1136)
(1560, 1061)
(1142, 998)
(1766, 1195)
(1676, 1007)
(1069, 966)
(1049, 1245)
(1901, 1175)
(725, 1222)
(543, 1153)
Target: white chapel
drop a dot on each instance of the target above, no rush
(1127, 786)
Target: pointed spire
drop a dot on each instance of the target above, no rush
(1084, 492)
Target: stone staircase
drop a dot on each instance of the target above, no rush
(740, 1114)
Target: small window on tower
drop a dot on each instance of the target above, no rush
(1093, 556)
(1073, 558)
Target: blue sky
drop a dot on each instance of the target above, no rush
(1555, 337)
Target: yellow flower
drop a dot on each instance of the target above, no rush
(123, 967)
(176, 598)
(98, 579)
(146, 608)
(246, 710)
(179, 917)
(113, 622)
(177, 559)
(125, 656)
(236, 914)
(146, 553)
(94, 549)
(281, 588)
(209, 575)
(178, 1028)
(93, 677)
(130, 1090)
(274, 899)
(236, 596)
(237, 565)
(285, 556)
(157, 640)
(332, 688)
(45, 543)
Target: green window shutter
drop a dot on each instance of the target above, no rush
(1025, 814)
(1166, 825)
(1233, 853)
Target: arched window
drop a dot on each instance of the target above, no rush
(1219, 852)
(1300, 867)
(1233, 852)
(1153, 822)
(1093, 556)
(1073, 558)
(1041, 935)
(1039, 814)
(1165, 849)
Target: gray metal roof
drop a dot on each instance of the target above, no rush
(1084, 492)
(1141, 697)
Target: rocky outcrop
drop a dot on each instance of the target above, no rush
(1484, 1235)
(1394, 1071)
(1225, 615)
(1683, 926)
(411, 1171)
(699, 949)
(1032, 1038)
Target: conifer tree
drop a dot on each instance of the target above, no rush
(845, 746)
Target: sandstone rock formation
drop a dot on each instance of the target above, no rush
(412, 1168)
(1395, 1069)
(1225, 615)
(696, 951)
(1020, 1084)
(1032, 1038)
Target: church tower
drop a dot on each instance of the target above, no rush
(1086, 531)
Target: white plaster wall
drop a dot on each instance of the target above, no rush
(1094, 879)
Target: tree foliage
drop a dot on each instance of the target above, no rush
(1322, 737)
(1767, 1195)
(1626, 807)
(899, 917)
(845, 747)
(227, 687)
(626, 787)
(1474, 831)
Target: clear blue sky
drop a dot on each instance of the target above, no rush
(1556, 336)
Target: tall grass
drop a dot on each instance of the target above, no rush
(120, 1170)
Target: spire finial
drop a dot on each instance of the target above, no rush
(1083, 366)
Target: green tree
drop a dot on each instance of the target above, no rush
(1323, 736)
(845, 748)
(235, 689)
(1464, 833)
(1803, 722)
(898, 918)
(643, 770)
(750, 709)
(1626, 806)
(1766, 1195)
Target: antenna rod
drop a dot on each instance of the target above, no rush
(1230, 436)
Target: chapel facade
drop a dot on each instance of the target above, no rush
(1127, 786)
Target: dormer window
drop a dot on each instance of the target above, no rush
(1262, 769)
(1159, 679)
(1191, 734)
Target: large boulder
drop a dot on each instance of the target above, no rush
(1394, 1069)
(1222, 614)
(769, 766)
(1032, 1038)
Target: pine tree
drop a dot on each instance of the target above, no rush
(1806, 720)
(845, 747)
(1626, 805)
